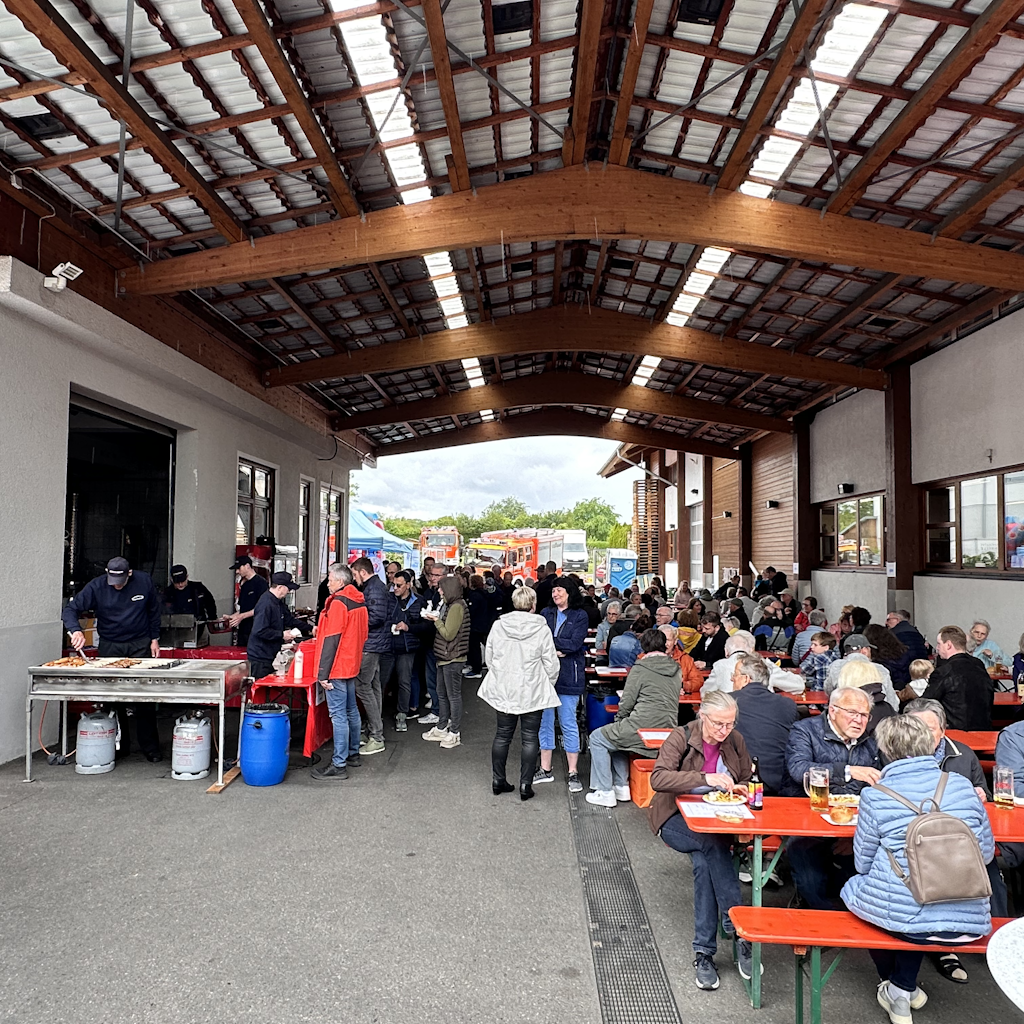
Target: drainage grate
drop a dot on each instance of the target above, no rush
(632, 986)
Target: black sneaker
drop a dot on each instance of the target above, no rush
(575, 786)
(543, 776)
(331, 771)
(707, 972)
(745, 959)
(413, 714)
(355, 761)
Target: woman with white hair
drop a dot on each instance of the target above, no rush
(987, 651)
(866, 676)
(705, 755)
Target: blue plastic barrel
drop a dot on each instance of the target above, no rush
(597, 713)
(266, 735)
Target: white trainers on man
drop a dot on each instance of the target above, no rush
(451, 739)
(435, 735)
(602, 797)
(621, 793)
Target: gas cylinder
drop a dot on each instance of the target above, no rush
(190, 747)
(97, 737)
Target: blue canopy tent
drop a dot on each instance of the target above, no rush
(365, 537)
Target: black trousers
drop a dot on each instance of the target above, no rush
(143, 713)
(476, 651)
(529, 734)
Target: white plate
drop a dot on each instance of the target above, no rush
(841, 824)
(740, 801)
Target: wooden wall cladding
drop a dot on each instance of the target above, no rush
(772, 480)
(725, 498)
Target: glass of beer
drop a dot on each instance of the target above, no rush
(1002, 786)
(816, 787)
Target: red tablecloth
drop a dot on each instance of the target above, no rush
(318, 721)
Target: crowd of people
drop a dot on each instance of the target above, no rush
(882, 735)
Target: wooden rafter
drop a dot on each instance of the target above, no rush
(982, 34)
(568, 389)
(552, 422)
(574, 144)
(446, 86)
(782, 67)
(618, 149)
(43, 20)
(570, 328)
(973, 209)
(613, 202)
(338, 190)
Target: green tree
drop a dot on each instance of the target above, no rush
(407, 529)
(618, 535)
(595, 516)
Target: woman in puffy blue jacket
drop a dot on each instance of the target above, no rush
(876, 893)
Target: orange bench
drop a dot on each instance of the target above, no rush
(808, 931)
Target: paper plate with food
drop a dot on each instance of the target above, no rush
(720, 797)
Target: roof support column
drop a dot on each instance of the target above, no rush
(805, 516)
(904, 543)
(745, 513)
(709, 526)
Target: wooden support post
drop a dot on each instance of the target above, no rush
(805, 517)
(746, 515)
(709, 533)
(683, 521)
(903, 542)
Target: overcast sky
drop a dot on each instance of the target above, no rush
(543, 472)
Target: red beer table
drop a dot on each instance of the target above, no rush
(318, 720)
(792, 816)
(979, 740)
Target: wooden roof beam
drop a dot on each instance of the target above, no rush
(619, 147)
(262, 34)
(611, 202)
(576, 388)
(446, 86)
(572, 329)
(982, 35)
(43, 20)
(574, 143)
(554, 422)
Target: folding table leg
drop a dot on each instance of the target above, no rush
(798, 988)
(757, 881)
(816, 985)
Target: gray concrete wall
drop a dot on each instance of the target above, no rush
(837, 587)
(51, 344)
(957, 601)
(848, 445)
(964, 398)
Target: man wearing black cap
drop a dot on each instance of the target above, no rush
(251, 588)
(272, 621)
(188, 597)
(127, 609)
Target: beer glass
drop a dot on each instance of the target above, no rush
(816, 787)
(1002, 786)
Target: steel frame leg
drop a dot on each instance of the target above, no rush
(757, 883)
(220, 745)
(28, 739)
(798, 987)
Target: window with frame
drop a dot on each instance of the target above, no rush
(304, 561)
(976, 523)
(331, 509)
(850, 532)
(254, 502)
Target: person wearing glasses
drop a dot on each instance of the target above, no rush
(704, 755)
(835, 741)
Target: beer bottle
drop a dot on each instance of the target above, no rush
(756, 790)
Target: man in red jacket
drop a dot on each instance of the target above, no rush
(340, 635)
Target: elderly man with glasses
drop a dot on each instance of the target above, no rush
(835, 741)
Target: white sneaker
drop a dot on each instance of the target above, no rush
(602, 797)
(621, 793)
(435, 735)
(451, 739)
(430, 719)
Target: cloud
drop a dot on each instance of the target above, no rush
(544, 472)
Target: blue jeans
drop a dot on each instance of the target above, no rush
(608, 764)
(716, 889)
(344, 712)
(567, 720)
(814, 869)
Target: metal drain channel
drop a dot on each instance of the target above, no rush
(632, 986)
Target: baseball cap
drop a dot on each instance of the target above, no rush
(240, 561)
(117, 571)
(858, 641)
(179, 573)
(283, 579)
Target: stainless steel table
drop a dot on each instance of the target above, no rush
(152, 680)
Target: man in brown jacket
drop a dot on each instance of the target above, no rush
(703, 756)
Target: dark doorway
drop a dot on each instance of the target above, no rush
(119, 490)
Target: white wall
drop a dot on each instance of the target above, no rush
(53, 343)
(957, 601)
(964, 402)
(848, 446)
(837, 587)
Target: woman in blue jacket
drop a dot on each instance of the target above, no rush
(569, 625)
(877, 894)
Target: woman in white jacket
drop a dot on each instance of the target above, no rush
(522, 666)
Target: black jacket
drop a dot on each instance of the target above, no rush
(420, 630)
(916, 647)
(480, 612)
(964, 688)
(375, 594)
(963, 761)
(249, 593)
(543, 592)
(269, 621)
(764, 719)
(131, 613)
(710, 649)
(195, 600)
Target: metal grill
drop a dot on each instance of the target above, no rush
(632, 986)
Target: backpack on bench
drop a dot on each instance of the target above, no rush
(944, 862)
